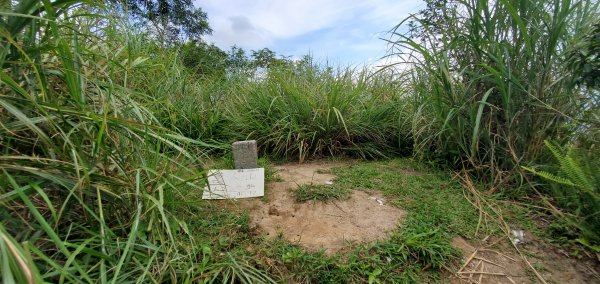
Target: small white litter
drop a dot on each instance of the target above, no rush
(519, 237)
(241, 183)
(329, 182)
(379, 201)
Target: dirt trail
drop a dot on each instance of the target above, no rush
(330, 225)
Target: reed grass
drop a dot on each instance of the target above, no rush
(492, 80)
(89, 175)
(490, 88)
(306, 111)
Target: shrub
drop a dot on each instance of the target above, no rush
(576, 188)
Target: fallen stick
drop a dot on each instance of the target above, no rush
(490, 262)
(468, 260)
(504, 226)
(481, 272)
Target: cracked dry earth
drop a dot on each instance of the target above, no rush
(316, 225)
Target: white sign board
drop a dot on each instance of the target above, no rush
(242, 183)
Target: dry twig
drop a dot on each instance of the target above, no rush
(503, 225)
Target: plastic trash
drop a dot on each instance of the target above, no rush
(379, 201)
(519, 237)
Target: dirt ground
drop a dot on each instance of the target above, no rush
(362, 218)
(316, 225)
(496, 261)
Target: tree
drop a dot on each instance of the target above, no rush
(172, 20)
(431, 23)
(583, 58)
(238, 61)
(266, 58)
(205, 59)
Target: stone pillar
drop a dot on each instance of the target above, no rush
(244, 154)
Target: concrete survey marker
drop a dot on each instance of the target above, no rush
(242, 183)
(244, 154)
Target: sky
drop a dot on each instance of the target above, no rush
(342, 32)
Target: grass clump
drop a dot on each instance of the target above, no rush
(400, 260)
(307, 192)
(93, 187)
(306, 110)
(492, 80)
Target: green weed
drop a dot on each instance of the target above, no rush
(305, 111)
(92, 185)
(307, 192)
(490, 82)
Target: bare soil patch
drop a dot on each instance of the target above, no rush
(317, 225)
(500, 263)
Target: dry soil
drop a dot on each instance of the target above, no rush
(316, 225)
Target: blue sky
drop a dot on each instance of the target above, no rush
(345, 32)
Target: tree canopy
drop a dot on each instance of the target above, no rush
(172, 20)
(266, 58)
(205, 59)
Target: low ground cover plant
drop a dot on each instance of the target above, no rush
(307, 192)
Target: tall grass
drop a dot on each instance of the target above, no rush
(307, 110)
(196, 109)
(493, 86)
(88, 174)
(101, 127)
(493, 80)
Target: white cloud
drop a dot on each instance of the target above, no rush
(344, 24)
